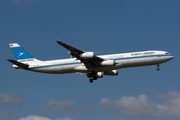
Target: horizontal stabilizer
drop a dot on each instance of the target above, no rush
(19, 64)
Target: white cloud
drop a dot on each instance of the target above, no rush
(130, 105)
(34, 117)
(171, 95)
(59, 105)
(3, 114)
(65, 105)
(10, 99)
(65, 118)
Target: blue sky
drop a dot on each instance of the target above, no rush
(102, 26)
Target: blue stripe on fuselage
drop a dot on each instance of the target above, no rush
(54, 65)
(111, 59)
(140, 57)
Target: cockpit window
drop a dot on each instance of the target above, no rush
(167, 53)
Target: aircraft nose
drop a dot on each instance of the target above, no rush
(172, 57)
(167, 58)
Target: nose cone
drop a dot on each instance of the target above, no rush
(170, 58)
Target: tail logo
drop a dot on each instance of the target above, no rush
(20, 54)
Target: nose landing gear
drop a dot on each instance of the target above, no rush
(158, 68)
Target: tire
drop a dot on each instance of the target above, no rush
(91, 80)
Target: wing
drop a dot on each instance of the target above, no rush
(88, 58)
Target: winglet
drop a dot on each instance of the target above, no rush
(58, 41)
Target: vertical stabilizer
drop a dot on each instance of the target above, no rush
(19, 52)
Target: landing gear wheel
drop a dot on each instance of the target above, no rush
(89, 75)
(158, 68)
(90, 80)
(95, 78)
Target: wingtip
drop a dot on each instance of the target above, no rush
(58, 41)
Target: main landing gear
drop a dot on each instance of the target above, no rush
(92, 75)
(157, 67)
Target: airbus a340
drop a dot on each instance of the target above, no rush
(87, 62)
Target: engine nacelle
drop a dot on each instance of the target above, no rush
(107, 63)
(99, 75)
(88, 55)
(15, 66)
(112, 72)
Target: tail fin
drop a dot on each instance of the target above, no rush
(19, 52)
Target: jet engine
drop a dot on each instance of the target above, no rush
(112, 72)
(88, 55)
(15, 66)
(107, 63)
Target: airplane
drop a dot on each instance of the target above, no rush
(86, 62)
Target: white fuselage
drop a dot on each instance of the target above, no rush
(122, 60)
